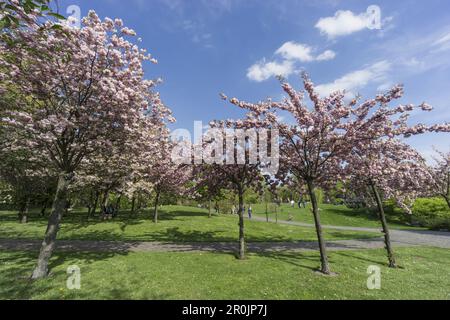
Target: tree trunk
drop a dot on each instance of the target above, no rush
(48, 245)
(90, 202)
(325, 268)
(447, 199)
(105, 201)
(155, 213)
(241, 226)
(447, 196)
(66, 209)
(24, 212)
(209, 209)
(387, 237)
(44, 208)
(267, 212)
(276, 215)
(133, 202)
(117, 206)
(139, 202)
(97, 196)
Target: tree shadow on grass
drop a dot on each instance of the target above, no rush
(294, 258)
(356, 256)
(16, 269)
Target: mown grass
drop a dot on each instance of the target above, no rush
(330, 215)
(424, 275)
(176, 224)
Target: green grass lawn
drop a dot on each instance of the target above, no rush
(425, 275)
(177, 224)
(331, 215)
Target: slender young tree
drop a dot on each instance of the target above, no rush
(166, 177)
(228, 164)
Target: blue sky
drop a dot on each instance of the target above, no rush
(205, 47)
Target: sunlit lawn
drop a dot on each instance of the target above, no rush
(176, 224)
(329, 215)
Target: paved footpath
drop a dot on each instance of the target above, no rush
(403, 237)
(399, 238)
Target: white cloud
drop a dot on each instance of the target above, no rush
(375, 73)
(342, 23)
(442, 44)
(295, 51)
(291, 53)
(264, 70)
(326, 55)
(416, 53)
(442, 40)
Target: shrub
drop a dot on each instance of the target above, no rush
(432, 213)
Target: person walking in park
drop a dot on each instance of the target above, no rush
(301, 202)
(249, 212)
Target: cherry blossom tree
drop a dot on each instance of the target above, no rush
(29, 180)
(85, 99)
(165, 176)
(229, 165)
(322, 136)
(389, 169)
(440, 182)
(17, 13)
(206, 187)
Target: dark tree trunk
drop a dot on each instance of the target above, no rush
(24, 212)
(117, 205)
(447, 199)
(241, 226)
(105, 199)
(133, 202)
(276, 215)
(325, 268)
(66, 209)
(447, 196)
(48, 245)
(155, 213)
(387, 238)
(90, 204)
(104, 204)
(209, 208)
(44, 208)
(267, 212)
(94, 209)
(140, 202)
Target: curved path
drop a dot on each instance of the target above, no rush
(399, 237)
